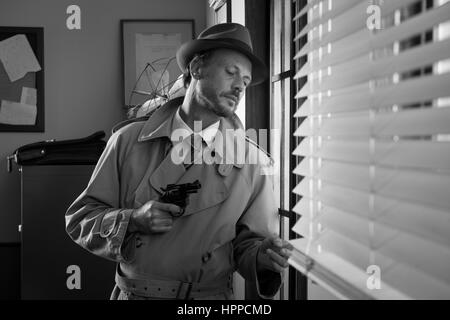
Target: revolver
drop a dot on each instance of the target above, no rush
(178, 194)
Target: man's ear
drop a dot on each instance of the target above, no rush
(195, 67)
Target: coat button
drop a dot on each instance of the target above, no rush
(138, 242)
(225, 169)
(206, 257)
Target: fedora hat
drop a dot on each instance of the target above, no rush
(227, 36)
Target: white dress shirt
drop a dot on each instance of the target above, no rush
(207, 134)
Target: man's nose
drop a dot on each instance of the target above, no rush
(238, 85)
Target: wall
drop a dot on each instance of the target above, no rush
(83, 74)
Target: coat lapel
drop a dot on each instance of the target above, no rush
(167, 172)
(212, 192)
(159, 125)
(211, 176)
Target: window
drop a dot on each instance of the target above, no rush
(373, 147)
(281, 124)
(222, 10)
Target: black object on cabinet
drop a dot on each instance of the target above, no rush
(50, 259)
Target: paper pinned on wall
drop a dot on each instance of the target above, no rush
(17, 57)
(17, 113)
(29, 96)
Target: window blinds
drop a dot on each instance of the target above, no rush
(374, 151)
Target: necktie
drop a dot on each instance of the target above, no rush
(196, 147)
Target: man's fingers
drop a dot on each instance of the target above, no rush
(288, 246)
(269, 264)
(161, 229)
(163, 222)
(281, 243)
(270, 241)
(168, 207)
(285, 253)
(276, 241)
(273, 266)
(279, 260)
(161, 214)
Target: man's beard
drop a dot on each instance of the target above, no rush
(222, 111)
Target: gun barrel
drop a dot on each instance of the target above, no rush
(192, 191)
(171, 188)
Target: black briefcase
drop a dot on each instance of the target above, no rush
(65, 152)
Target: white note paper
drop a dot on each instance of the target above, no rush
(29, 96)
(17, 113)
(17, 57)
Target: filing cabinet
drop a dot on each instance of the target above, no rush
(52, 265)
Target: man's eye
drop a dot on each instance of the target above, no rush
(230, 72)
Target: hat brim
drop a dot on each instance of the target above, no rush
(187, 51)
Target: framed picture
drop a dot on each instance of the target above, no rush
(22, 79)
(149, 62)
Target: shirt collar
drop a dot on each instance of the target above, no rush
(207, 134)
(159, 124)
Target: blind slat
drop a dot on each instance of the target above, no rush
(347, 21)
(364, 40)
(398, 281)
(354, 227)
(423, 121)
(390, 254)
(363, 69)
(407, 216)
(336, 224)
(362, 97)
(345, 279)
(381, 238)
(424, 187)
(417, 284)
(410, 154)
(352, 251)
(305, 9)
(433, 260)
(337, 8)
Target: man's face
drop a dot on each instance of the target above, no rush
(224, 77)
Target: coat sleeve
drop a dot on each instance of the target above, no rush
(259, 220)
(95, 220)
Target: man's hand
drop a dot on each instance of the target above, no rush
(273, 254)
(153, 217)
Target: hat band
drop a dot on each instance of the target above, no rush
(230, 43)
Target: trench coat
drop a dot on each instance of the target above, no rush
(220, 231)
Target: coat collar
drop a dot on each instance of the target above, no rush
(160, 122)
(160, 125)
(214, 189)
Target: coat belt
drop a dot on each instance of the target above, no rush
(168, 289)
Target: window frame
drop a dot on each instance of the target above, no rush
(297, 282)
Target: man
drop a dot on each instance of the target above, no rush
(228, 225)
